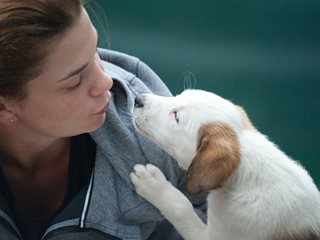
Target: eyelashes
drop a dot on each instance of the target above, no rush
(77, 84)
(79, 76)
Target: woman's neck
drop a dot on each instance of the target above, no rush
(29, 151)
(36, 170)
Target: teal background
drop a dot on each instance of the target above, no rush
(263, 55)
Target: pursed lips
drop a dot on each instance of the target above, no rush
(105, 107)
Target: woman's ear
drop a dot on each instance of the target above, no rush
(217, 157)
(7, 117)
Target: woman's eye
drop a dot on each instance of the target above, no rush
(176, 116)
(74, 86)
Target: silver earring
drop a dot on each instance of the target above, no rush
(12, 120)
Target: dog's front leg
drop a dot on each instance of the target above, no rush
(152, 185)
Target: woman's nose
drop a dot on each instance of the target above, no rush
(102, 81)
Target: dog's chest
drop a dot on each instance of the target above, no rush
(230, 218)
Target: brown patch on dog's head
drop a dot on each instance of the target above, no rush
(245, 119)
(218, 155)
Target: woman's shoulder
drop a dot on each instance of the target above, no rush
(123, 60)
(132, 71)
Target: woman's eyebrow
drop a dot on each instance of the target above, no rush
(74, 72)
(78, 70)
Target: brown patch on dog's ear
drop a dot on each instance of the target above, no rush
(298, 236)
(245, 119)
(217, 157)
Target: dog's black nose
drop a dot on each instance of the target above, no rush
(139, 101)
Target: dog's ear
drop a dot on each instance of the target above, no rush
(245, 119)
(218, 155)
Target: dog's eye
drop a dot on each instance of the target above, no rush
(176, 116)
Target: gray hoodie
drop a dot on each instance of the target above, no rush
(109, 204)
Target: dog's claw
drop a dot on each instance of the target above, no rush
(148, 180)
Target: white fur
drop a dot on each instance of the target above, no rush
(267, 196)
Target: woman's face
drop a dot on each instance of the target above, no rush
(71, 94)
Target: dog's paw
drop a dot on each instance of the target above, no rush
(149, 181)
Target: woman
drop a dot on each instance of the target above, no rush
(67, 140)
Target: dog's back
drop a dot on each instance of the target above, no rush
(269, 196)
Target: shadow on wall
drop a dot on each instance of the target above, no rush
(263, 55)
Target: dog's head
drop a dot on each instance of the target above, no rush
(199, 129)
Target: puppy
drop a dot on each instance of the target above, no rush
(256, 192)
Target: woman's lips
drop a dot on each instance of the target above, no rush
(105, 107)
(103, 110)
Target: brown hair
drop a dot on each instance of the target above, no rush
(25, 27)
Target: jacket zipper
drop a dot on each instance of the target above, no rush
(70, 229)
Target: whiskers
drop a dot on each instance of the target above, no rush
(189, 81)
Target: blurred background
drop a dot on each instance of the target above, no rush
(263, 55)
